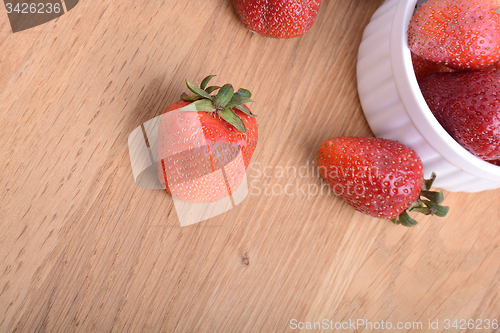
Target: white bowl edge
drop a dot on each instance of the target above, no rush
(459, 169)
(443, 143)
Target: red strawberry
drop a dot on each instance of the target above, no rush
(496, 162)
(461, 34)
(424, 67)
(467, 105)
(199, 142)
(494, 4)
(378, 177)
(277, 18)
(496, 65)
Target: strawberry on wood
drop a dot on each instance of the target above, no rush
(379, 177)
(200, 138)
(277, 18)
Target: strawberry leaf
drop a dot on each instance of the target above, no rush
(200, 105)
(245, 110)
(211, 89)
(405, 220)
(198, 91)
(238, 100)
(228, 115)
(422, 210)
(426, 186)
(436, 209)
(417, 206)
(243, 93)
(436, 197)
(426, 207)
(223, 97)
(205, 81)
(189, 98)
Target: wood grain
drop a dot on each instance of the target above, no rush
(83, 249)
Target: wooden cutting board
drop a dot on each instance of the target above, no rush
(83, 249)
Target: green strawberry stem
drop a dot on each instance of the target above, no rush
(222, 103)
(429, 206)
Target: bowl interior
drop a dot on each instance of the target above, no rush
(417, 108)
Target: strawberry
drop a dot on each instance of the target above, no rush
(200, 138)
(467, 105)
(424, 67)
(461, 34)
(379, 177)
(277, 18)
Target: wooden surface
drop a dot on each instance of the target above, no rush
(83, 249)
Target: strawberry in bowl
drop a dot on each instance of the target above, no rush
(423, 67)
(461, 34)
(205, 142)
(464, 35)
(467, 105)
(388, 82)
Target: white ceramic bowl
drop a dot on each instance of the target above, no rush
(395, 108)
